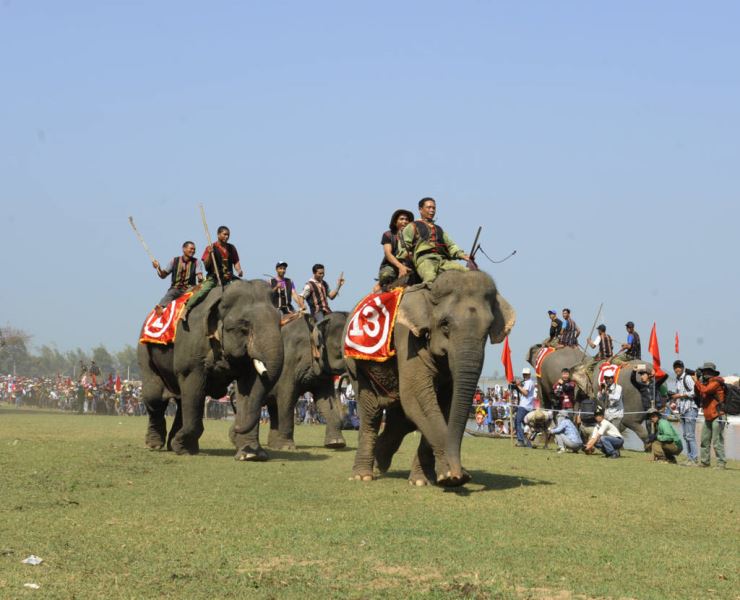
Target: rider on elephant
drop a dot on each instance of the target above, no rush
(317, 293)
(556, 326)
(283, 290)
(431, 250)
(186, 272)
(391, 268)
(571, 331)
(632, 349)
(225, 259)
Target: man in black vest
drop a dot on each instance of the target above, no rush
(283, 290)
(430, 248)
(186, 272)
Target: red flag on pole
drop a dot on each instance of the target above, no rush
(506, 360)
(677, 342)
(655, 351)
(118, 384)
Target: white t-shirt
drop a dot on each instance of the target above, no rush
(606, 428)
(527, 401)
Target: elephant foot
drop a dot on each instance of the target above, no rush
(183, 447)
(151, 445)
(362, 476)
(450, 479)
(418, 480)
(278, 442)
(335, 443)
(248, 454)
(155, 437)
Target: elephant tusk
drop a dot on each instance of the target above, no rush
(260, 366)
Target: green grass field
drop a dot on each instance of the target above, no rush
(113, 520)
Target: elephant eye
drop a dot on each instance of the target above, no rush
(444, 325)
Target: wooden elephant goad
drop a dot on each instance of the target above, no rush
(440, 337)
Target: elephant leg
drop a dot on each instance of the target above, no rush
(282, 416)
(422, 466)
(151, 394)
(388, 443)
(176, 424)
(370, 411)
(247, 421)
(192, 403)
(634, 423)
(330, 408)
(419, 401)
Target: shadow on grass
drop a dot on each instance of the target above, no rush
(274, 455)
(485, 481)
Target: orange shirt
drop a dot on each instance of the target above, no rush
(712, 394)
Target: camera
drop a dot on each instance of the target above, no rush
(691, 372)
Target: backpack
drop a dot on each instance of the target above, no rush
(588, 408)
(732, 399)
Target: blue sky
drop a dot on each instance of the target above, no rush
(600, 141)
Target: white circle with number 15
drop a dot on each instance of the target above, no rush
(373, 331)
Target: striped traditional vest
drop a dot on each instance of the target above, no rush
(606, 348)
(183, 273)
(281, 298)
(318, 298)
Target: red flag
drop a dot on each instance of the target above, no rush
(676, 344)
(655, 351)
(118, 383)
(506, 360)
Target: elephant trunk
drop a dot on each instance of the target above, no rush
(465, 371)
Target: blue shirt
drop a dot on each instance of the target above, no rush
(566, 427)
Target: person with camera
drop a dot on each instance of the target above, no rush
(566, 435)
(665, 442)
(710, 388)
(685, 400)
(526, 388)
(564, 391)
(610, 396)
(649, 387)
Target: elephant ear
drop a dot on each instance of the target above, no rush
(415, 311)
(504, 317)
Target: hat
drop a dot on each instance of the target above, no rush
(709, 366)
(526, 371)
(400, 212)
(281, 263)
(629, 324)
(609, 373)
(599, 411)
(678, 363)
(652, 411)
(551, 312)
(601, 327)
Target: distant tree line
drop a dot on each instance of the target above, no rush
(15, 357)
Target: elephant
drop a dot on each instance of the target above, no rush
(586, 377)
(234, 334)
(439, 336)
(313, 357)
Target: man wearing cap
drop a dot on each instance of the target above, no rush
(649, 387)
(428, 247)
(710, 389)
(666, 443)
(283, 290)
(688, 412)
(556, 326)
(604, 343)
(392, 268)
(566, 435)
(571, 331)
(606, 437)
(632, 350)
(526, 389)
(610, 395)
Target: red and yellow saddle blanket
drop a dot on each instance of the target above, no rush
(161, 329)
(608, 368)
(543, 353)
(370, 331)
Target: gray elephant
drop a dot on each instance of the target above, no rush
(586, 377)
(440, 337)
(234, 334)
(313, 357)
